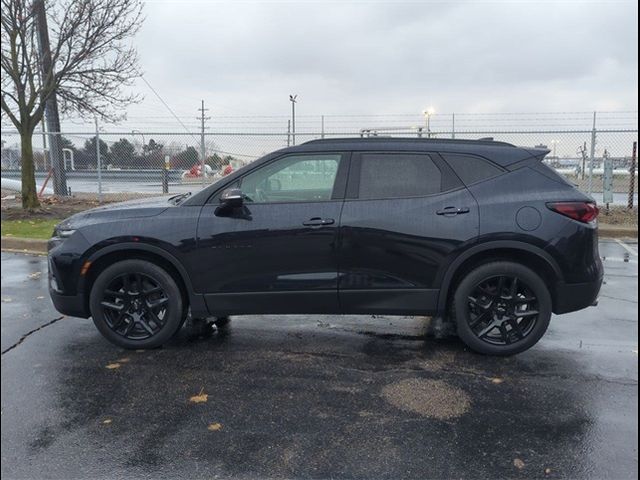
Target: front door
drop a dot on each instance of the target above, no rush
(277, 253)
(404, 217)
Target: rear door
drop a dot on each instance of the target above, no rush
(405, 216)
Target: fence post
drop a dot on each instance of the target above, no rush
(453, 125)
(632, 176)
(165, 174)
(593, 154)
(44, 145)
(98, 161)
(607, 179)
(322, 126)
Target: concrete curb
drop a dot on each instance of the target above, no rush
(33, 245)
(24, 245)
(616, 231)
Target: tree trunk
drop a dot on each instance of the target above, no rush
(29, 193)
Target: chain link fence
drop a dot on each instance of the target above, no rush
(112, 165)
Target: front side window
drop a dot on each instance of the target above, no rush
(296, 178)
(396, 175)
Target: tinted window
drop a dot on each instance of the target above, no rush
(392, 175)
(471, 169)
(297, 178)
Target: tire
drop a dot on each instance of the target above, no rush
(136, 304)
(496, 315)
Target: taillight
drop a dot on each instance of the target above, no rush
(584, 212)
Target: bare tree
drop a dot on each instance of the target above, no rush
(90, 64)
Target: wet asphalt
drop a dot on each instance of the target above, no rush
(318, 396)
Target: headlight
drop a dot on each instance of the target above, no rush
(59, 236)
(64, 233)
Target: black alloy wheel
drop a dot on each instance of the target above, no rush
(501, 308)
(136, 304)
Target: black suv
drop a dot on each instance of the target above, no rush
(478, 232)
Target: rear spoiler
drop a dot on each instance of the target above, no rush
(530, 154)
(538, 153)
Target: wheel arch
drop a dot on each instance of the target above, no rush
(529, 255)
(109, 255)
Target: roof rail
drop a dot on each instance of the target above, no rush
(481, 141)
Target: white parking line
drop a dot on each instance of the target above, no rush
(619, 259)
(627, 247)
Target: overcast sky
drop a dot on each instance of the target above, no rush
(375, 57)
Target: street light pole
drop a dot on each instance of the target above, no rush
(427, 120)
(293, 100)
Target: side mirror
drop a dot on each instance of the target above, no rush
(231, 198)
(275, 185)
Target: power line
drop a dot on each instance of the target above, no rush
(166, 105)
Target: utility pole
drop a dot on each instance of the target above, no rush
(202, 119)
(144, 148)
(582, 150)
(51, 106)
(293, 100)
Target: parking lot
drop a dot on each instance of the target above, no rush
(319, 396)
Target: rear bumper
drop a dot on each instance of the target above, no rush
(576, 296)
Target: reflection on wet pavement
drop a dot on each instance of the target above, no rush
(318, 396)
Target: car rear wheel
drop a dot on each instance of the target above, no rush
(136, 304)
(502, 308)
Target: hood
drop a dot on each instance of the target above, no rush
(139, 208)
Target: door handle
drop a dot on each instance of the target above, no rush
(450, 211)
(318, 222)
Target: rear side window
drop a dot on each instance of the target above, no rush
(549, 172)
(393, 175)
(471, 169)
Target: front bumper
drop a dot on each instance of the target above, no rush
(71, 305)
(66, 298)
(576, 296)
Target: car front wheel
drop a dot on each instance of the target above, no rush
(136, 304)
(502, 308)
